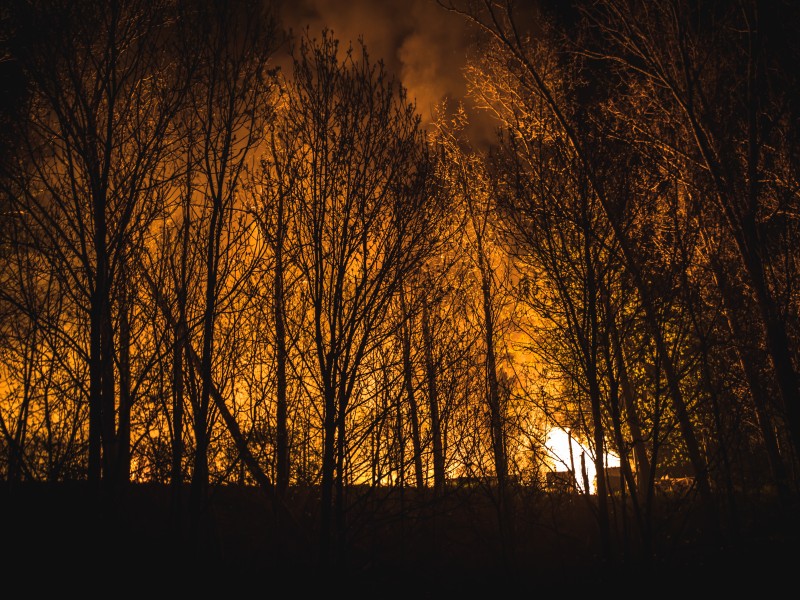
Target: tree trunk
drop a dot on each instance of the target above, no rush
(400, 442)
(495, 408)
(16, 444)
(752, 250)
(433, 403)
(643, 468)
(339, 504)
(765, 423)
(123, 474)
(176, 470)
(493, 398)
(180, 349)
(95, 384)
(636, 483)
(594, 385)
(778, 349)
(281, 416)
(408, 380)
(109, 411)
(199, 487)
(328, 468)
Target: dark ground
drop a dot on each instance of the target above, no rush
(59, 538)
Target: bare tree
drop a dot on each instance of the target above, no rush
(229, 48)
(362, 213)
(715, 76)
(529, 70)
(465, 171)
(271, 194)
(97, 129)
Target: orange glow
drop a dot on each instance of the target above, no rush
(564, 455)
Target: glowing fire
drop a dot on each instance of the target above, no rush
(564, 452)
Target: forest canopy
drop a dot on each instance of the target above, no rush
(216, 271)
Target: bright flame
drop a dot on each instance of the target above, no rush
(565, 452)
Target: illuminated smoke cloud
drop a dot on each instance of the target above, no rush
(421, 43)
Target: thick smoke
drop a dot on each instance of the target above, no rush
(425, 46)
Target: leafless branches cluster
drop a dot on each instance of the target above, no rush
(217, 272)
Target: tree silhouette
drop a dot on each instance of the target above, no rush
(362, 209)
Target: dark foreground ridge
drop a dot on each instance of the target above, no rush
(71, 541)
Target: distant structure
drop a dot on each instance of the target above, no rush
(565, 481)
(561, 481)
(573, 466)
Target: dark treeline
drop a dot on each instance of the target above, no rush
(218, 272)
